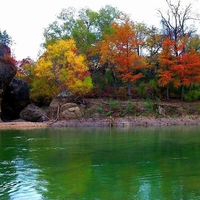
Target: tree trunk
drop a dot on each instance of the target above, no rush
(182, 92)
(167, 90)
(115, 80)
(0, 109)
(129, 89)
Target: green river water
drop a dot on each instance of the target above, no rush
(100, 163)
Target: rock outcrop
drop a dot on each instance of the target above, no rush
(15, 99)
(7, 70)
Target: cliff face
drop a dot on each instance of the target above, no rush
(7, 69)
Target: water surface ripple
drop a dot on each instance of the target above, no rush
(100, 163)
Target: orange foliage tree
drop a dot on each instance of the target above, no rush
(187, 69)
(178, 66)
(166, 62)
(119, 49)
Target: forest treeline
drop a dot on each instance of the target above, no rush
(107, 54)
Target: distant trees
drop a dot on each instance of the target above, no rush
(104, 49)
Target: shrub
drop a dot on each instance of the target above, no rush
(100, 110)
(149, 105)
(142, 89)
(192, 95)
(121, 93)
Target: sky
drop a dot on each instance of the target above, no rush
(25, 20)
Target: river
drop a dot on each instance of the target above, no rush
(142, 163)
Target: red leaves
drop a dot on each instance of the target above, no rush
(182, 68)
(7, 59)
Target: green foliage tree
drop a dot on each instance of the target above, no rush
(85, 26)
(5, 38)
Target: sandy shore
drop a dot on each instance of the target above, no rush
(22, 125)
(105, 122)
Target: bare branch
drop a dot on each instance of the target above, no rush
(176, 20)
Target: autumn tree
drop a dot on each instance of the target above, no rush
(120, 50)
(178, 30)
(61, 67)
(25, 69)
(166, 61)
(187, 70)
(182, 70)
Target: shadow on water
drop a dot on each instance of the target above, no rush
(100, 163)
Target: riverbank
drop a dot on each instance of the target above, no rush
(129, 122)
(106, 122)
(115, 113)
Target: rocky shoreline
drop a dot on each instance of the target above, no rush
(104, 122)
(129, 122)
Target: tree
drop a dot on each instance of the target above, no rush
(182, 70)
(85, 26)
(153, 46)
(166, 62)
(84, 31)
(119, 49)
(61, 67)
(5, 38)
(61, 28)
(178, 31)
(25, 69)
(176, 22)
(187, 70)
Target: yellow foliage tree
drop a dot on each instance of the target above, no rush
(61, 67)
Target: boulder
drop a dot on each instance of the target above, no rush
(71, 111)
(33, 113)
(15, 99)
(66, 106)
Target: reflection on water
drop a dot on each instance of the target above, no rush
(100, 163)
